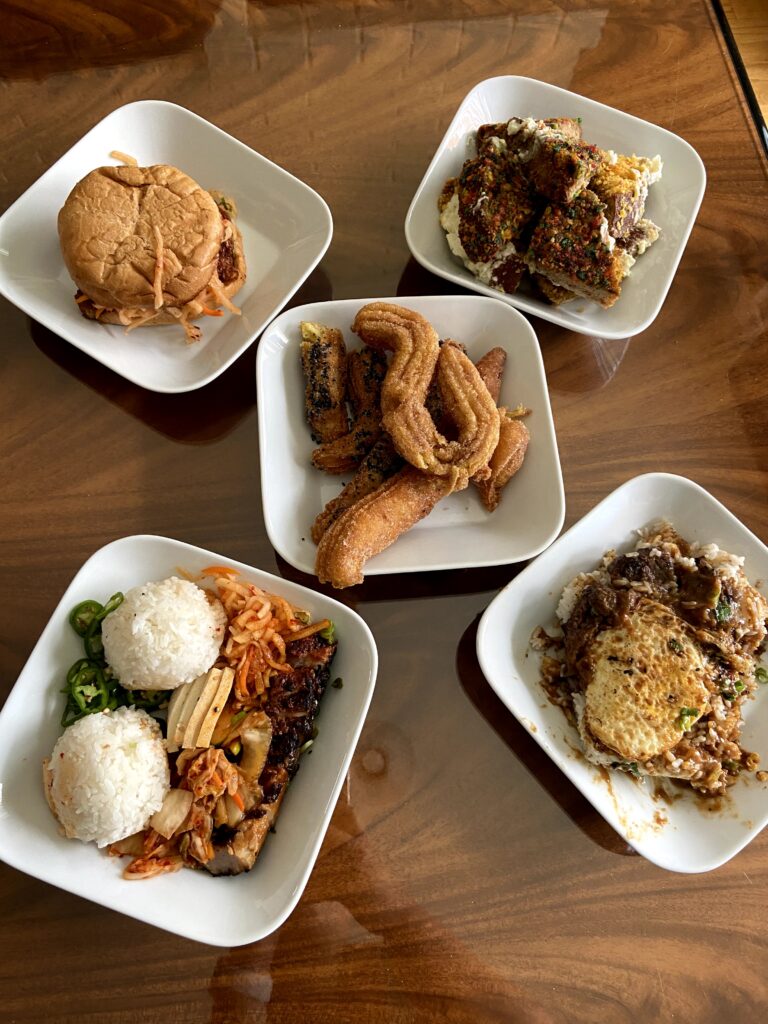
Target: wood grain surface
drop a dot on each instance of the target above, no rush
(463, 879)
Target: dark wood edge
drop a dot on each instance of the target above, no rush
(741, 71)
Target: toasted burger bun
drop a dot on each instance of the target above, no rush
(164, 316)
(148, 245)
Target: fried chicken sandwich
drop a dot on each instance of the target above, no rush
(148, 246)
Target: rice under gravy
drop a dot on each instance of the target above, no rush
(659, 651)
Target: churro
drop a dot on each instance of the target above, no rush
(374, 522)
(348, 451)
(505, 461)
(469, 405)
(491, 369)
(380, 462)
(414, 344)
(366, 370)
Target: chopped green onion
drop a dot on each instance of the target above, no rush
(739, 686)
(675, 645)
(761, 674)
(337, 683)
(687, 717)
(329, 633)
(723, 610)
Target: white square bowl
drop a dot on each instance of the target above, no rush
(459, 532)
(219, 911)
(286, 229)
(697, 835)
(673, 202)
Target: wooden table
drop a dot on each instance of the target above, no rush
(463, 878)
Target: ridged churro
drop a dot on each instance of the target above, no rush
(467, 402)
(491, 369)
(469, 405)
(505, 461)
(414, 345)
(366, 370)
(374, 522)
(380, 462)
(348, 451)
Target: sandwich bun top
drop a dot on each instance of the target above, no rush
(115, 219)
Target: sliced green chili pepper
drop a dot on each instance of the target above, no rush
(89, 689)
(71, 714)
(92, 642)
(83, 615)
(114, 602)
(73, 672)
(147, 699)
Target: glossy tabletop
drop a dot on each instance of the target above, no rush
(463, 878)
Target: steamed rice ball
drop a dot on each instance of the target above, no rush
(107, 775)
(163, 635)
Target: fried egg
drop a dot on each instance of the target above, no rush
(648, 683)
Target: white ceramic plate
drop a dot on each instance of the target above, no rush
(459, 532)
(693, 837)
(219, 911)
(672, 203)
(286, 229)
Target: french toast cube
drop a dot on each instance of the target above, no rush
(571, 247)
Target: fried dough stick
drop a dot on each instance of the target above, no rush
(380, 462)
(366, 370)
(414, 344)
(469, 405)
(506, 459)
(374, 522)
(491, 370)
(509, 453)
(323, 360)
